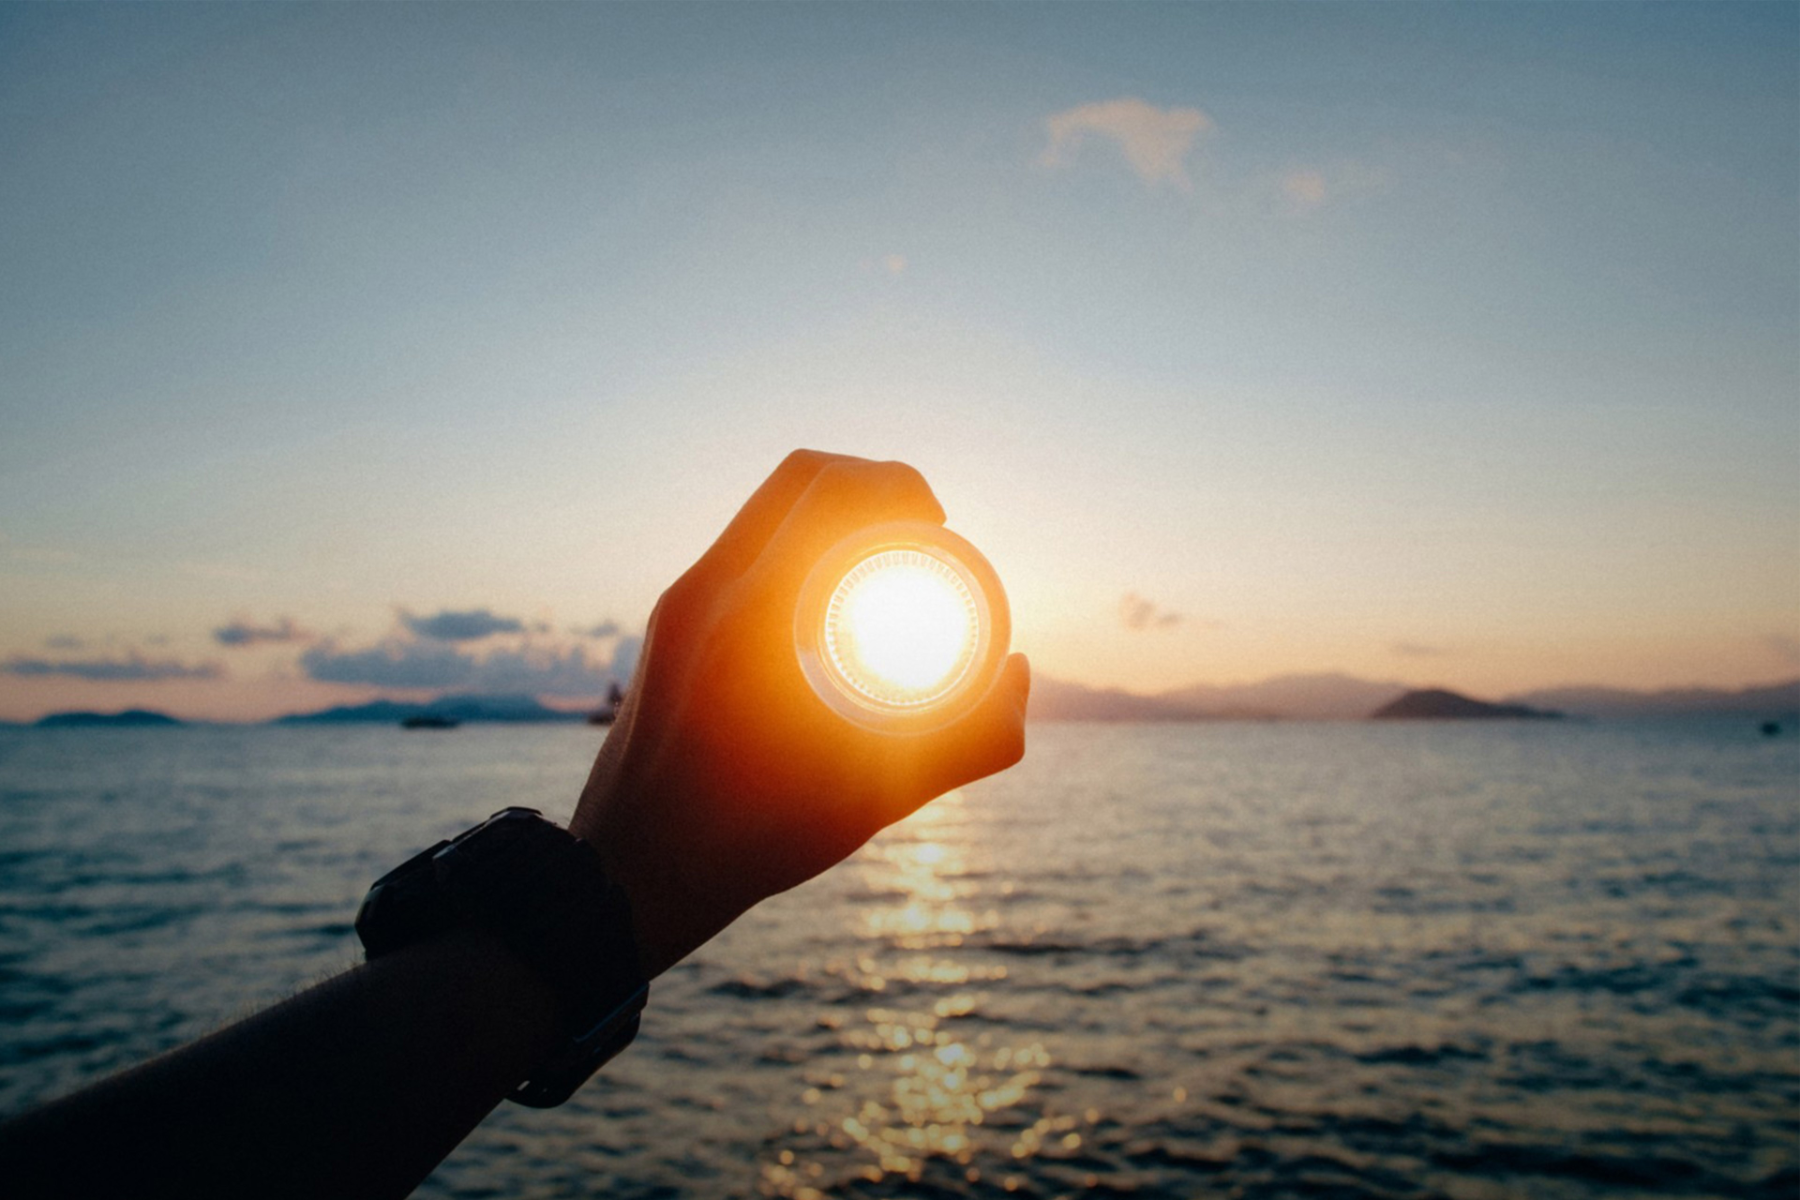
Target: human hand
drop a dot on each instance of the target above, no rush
(725, 779)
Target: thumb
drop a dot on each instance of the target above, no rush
(988, 740)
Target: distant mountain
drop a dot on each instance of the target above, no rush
(130, 718)
(1322, 697)
(507, 708)
(1060, 700)
(1335, 697)
(1298, 697)
(1769, 700)
(1327, 697)
(1436, 704)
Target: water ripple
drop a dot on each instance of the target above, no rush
(1255, 960)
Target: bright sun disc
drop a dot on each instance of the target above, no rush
(902, 628)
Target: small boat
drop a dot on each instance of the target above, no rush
(429, 721)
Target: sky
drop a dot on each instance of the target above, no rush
(385, 350)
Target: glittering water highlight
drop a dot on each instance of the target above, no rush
(1267, 960)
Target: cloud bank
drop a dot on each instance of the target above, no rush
(1140, 615)
(132, 668)
(395, 663)
(1305, 189)
(449, 626)
(1155, 141)
(429, 666)
(241, 632)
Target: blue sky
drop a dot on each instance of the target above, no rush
(1447, 343)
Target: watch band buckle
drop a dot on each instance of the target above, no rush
(558, 1078)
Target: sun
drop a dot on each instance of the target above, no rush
(902, 628)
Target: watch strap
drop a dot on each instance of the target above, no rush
(546, 895)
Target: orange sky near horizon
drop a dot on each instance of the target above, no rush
(393, 351)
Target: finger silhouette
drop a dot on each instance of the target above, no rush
(990, 738)
(743, 540)
(844, 496)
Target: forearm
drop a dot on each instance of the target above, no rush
(357, 1087)
(724, 780)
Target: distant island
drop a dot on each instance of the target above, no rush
(512, 709)
(1322, 697)
(1305, 697)
(1338, 697)
(131, 717)
(1437, 704)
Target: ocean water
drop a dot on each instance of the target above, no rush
(1488, 960)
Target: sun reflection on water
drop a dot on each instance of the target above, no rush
(929, 1081)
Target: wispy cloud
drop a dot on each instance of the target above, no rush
(133, 667)
(64, 641)
(241, 632)
(397, 663)
(469, 626)
(893, 265)
(1140, 615)
(432, 666)
(604, 629)
(1155, 141)
(1304, 189)
(571, 672)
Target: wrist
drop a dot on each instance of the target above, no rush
(675, 910)
(662, 905)
(545, 896)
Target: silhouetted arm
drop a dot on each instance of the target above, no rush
(356, 1087)
(723, 781)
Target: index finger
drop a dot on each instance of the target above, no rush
(844, 496)
(749, 531)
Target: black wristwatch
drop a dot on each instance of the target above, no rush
(546, 895)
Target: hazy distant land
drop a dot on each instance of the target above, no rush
(1325, 697)
(505, 708)
(131, 717)
(1332, 697)
(1437, 704)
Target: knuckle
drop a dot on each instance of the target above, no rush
(805, 462)
(904, 476)
(854, 489)
(863, 477)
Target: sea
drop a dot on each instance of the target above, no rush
(1472, 960)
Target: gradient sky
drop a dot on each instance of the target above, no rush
(345, 347)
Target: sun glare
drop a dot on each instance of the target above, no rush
(901, 628)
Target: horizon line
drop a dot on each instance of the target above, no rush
(1039, 681)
